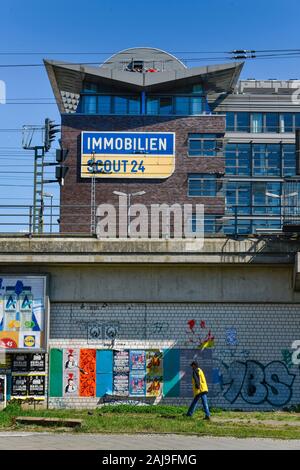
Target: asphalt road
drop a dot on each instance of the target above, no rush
(67, 441)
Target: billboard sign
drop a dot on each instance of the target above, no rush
(22, 313)
(127, 154)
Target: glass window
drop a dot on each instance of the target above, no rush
(266, 160)
(257, 122)
(289, 159)
(271, 122)
(104, 104)
(202, 185)
(197, 105)
(236, 226)
(134, 106)
(120, 105)
(89, 104)
(286, 122)
(265, 223)
(238, 198)
(89, 87)
(237, 159)
(202, 145)
(242, 122)
(182, 105)
(152, 105)
(230, 121)
(166, 105)
(266, 198)
(297, 120)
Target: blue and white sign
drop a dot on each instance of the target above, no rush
(127, 154)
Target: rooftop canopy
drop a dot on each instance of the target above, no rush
(137, 69)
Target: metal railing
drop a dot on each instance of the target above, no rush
(59, 220)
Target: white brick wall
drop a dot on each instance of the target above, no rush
(260, 335)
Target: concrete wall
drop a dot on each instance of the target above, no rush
(251, 359)
(139, 283)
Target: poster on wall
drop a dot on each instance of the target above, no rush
(154, 386)
(19, 386)
(36, 362)
(154, 363)
(137, 361)
(121, 373)
(137, 373)
(87, 373)
(137, 385)
(36, 385)
(22, 312)
(19, 363)
(71, 372)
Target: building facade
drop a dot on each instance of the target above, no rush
(235, 140)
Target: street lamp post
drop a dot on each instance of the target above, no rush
(129, 195)
(51, 196)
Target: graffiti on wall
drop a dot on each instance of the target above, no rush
(199, 335)
(256, 383)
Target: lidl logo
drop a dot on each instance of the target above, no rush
(29, 341)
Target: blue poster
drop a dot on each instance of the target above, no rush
(137, 361)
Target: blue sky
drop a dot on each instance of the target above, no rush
(112, 25)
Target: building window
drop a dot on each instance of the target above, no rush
(242, 122)
(166, 105)
(238, 197)
(286, 122)
(262, 122)
(266, 160)
(197, 105)
(289, 159)
(257, 122)
(238, 159)
(237, 226)
(271, 122)
(204, 145)
(182, 105)
(230, 121)
(212, 224)
(110, 104)
(104, 104)
(89, 104)
(297, 120)
(202, 184)
(266, 198)
(260, 160)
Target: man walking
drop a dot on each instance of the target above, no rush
(200, 390)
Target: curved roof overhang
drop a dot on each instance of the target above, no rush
(67, 79)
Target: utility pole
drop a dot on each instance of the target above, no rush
(93, 196)
(49, 130)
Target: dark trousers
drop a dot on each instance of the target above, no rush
(194, 404)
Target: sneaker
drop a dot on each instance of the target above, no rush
(207, 418)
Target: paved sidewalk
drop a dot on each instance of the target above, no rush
(67, 441)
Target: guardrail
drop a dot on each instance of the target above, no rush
(58, 220)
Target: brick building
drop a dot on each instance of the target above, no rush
(143, 91)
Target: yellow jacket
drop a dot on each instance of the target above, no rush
(199, 382)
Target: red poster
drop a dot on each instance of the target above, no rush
(87, 370)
